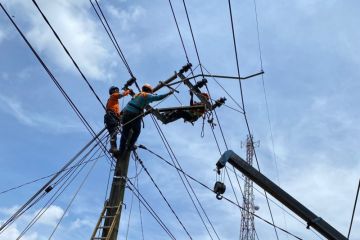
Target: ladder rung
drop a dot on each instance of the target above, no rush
(107, 216)
(98, 238)
(111, 207)
(103, 227)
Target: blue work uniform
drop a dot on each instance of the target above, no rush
(132, 116)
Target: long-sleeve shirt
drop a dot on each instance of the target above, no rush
(113, 102)
(138, 103)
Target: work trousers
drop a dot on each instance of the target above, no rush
(112, 123)
(130, 121)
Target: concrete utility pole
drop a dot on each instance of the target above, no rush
(109, 221)
(116, 195)
(247, 228)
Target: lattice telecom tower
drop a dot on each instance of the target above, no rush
(247, 228)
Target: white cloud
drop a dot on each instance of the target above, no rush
(79, 33)
(2, 35)
(127, 17)
(52, 215)
(12, 233)
(15, 108)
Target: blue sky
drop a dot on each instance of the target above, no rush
(310, 52)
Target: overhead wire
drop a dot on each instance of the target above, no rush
(66, 180)
(111, 35)
(148, 207)
(162, 194)
(278, 205)
(140, 212)
(198, 57)
(265, 96)
(73, 198)
(202, 72)
(69, 55)
(73, 61)
(29, 202)
(174, 159)
(243, 104)
(353, 212)
(192, 36)
(208, 188)
(56, 82)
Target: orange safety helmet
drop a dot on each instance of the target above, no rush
(147, 88)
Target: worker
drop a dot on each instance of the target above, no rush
(133, 114)
(112, 115)
(190, 115)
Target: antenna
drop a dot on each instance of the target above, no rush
(247, 227)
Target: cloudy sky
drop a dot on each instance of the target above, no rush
(307, 128)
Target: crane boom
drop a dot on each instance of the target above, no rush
(312, 220)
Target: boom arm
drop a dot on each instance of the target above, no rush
(312, 220)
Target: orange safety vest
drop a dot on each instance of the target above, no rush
(113, 104)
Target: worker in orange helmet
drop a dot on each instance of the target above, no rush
(133, 113)
(112, 116)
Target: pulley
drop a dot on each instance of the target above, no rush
(219, 188)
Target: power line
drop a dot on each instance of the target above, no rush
(243, 104)
(161, 193)
(42, 190)
(192, 36)
(143, 201)
(174, 158)
(73, 198)
(111, 35)
(56, 82)
(66, 180)
(208, 188)
(68, 53)
(352, 216)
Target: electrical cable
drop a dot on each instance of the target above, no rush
(193, 38)
(111, 36)
(68, 53)
(17, 213)
(243, 105)
(352, 216)
(174, 158)
(208, 188)
(73, 198)
(143, 201)
(66, 96)
(140, 212)
(162, 194)
(67, 179)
